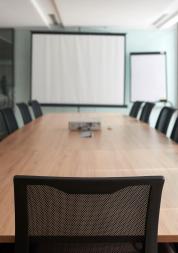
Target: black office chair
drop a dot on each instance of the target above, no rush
(135, 109)
(26, 116)
(147, 108)
(176, 247)
(3, 127)
(10, 119)
(36, 108)
(164, 119)
(87, 214)
(174, 134)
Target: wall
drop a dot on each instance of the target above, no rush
(152, 40)
(22, 65)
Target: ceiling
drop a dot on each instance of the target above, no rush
(15, 13)
(122, 13)
(138, 14)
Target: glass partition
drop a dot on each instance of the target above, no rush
(6, 68)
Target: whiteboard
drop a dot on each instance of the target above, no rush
(148, 76)
(78, 69)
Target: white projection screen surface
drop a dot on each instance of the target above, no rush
(148, 77)
(78, 69)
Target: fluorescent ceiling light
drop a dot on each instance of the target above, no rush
(172, 20)
(160, 19)
(40, 12)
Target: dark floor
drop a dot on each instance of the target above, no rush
(162, 248)
(7, 247)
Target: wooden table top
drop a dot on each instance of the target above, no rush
(124, 147)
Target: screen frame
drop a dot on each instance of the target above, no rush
(124, 105)
(130, 75)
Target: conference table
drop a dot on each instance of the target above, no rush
(123, 147)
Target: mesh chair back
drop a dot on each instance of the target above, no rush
(87, 215)
(3, 127)
(26, 116)
(164, 119)
(135, 109)
(146, 112)
(10, 119)
(36, 108)
(174, 134)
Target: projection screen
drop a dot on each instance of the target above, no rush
(78, 69)
(148, 76)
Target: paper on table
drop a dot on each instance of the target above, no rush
(86, 134)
